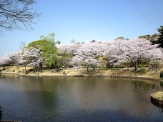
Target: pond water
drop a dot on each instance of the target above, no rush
(78, 99)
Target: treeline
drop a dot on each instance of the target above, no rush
(46, 52)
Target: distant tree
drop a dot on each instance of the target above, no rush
(146, 37)
(17, 14)
(22, 46)
(160, 39)
(73, 41)
(120, 38)
(93, 41)
(58, 42)
(154, 38)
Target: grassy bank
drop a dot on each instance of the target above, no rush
(115, 72)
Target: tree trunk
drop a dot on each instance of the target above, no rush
(136, 65)
(38, 68)
(17, 68)
(87, 68)
(94, 69)
(25, 70)
(156, 66)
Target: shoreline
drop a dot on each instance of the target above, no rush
(82, 75)
(71, 72)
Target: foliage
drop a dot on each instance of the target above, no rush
(120, 38)
(141, 71)
(93, 41)
(43, 45)
(48, 49)
(146, 37)
(50, 37)
(154, 38)
(160, 39)
(144, 62)
(64, 57)
(155, 65)
(50, 62)
(16, 14)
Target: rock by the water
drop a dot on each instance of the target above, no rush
(157, 97)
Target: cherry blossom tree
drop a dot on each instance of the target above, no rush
(4, 61)
(12, 58)
(89, 53)
(119, 51)
(31, 57)
(70, 48)
(134, 50)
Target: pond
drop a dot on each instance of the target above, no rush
(78, 99)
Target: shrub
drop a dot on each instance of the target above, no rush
(141, 71)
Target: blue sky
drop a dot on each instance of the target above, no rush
(87, 20)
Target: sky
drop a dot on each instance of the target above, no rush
(87, 20)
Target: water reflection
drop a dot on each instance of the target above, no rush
(78, 99)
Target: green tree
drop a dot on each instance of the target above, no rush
(160, 39)
(50, 37)
(147, 37)
(154, 38)
(58, 42)
(48, 49)
(93, 41)
(120, 38)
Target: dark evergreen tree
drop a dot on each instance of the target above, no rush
(160, 39)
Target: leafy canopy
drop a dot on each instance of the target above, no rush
(48, 49)
(160, 39)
